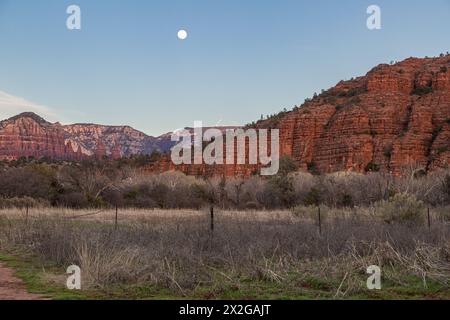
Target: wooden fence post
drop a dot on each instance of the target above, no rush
(212, 219)
(26, 217)
(117, 214)
(320, 221)
(429, 218)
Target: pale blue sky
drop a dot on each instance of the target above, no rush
(243, 58)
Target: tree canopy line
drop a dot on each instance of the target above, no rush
(109, 183)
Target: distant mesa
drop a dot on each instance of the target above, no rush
(29, 135)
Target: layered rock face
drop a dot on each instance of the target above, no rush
(28, 135)
(397, 116)
(114, 141)
(392, 119)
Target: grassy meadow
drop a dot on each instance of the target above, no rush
(175, 254)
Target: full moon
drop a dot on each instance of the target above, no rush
(182, 34)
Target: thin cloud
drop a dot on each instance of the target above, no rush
(11, 105)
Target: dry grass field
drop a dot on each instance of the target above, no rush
(158, 254)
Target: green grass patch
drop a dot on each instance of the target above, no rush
(37, 278)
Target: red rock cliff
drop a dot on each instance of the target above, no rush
(394, 117)
(28, 135)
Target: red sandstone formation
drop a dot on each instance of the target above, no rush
(100, 150)
(116, 152)
(28, 135)
(397, 116)
(394, 117)
(122, 140)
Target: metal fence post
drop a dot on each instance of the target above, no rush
(320, 221)
(117, 214)
(212, 219)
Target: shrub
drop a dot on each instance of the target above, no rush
(372, 167)
(159, 194)
(25, 182)
(201, 192)
(313, 198)
(331, 100)
(312, 168)
(352, 92)
(74, 199)
(287, 165)
(422, 91)
(252, 205)
(278, 193)
(354, 100)
(387, 151)
(402, 208)
(22, 202)
(443, 149)
(446, 185)
(347, 200)
(436, 132)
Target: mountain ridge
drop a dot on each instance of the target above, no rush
(29, 135)
(395, 116)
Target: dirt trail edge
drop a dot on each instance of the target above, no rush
(12, 288)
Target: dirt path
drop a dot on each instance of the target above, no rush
(12, 288)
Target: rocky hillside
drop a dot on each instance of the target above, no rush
(393, 117)
(29, 135)
(117, 141)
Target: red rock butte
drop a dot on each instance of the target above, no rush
(28, 135)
